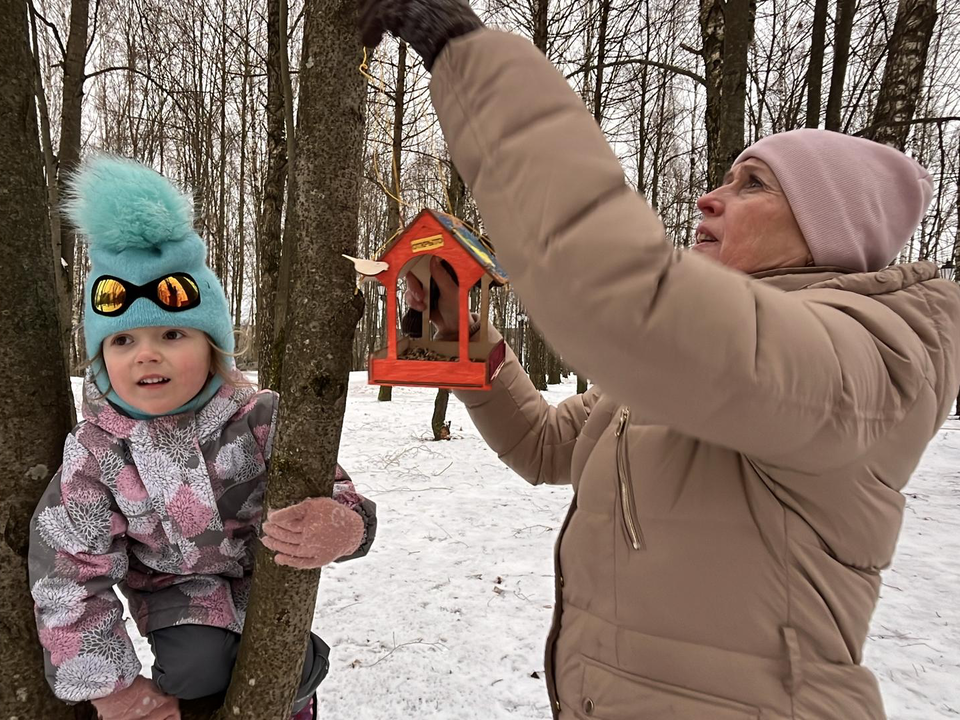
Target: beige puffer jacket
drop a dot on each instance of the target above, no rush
(737, 466)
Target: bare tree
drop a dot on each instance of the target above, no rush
(396, 162)
(270, 232)
(815, 69)
(318, 337)
(841, 54)
(903, 74)
(37, 407)
(727, 31)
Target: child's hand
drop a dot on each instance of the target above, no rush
(312, 533)
(141, 701)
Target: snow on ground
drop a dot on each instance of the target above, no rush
(447, 616)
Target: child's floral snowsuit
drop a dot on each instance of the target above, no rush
(165, 509)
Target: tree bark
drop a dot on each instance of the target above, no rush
(815, 69)
(535, 352)
(903, 74)
(727, 31)
(33, 383)
(270, 239)
(554, 368)
(71, 117)
(711, 32)
(317, 355)
(738, 20)
(601, 58)
(441, 428)
(541, 14)
(385, 394)
(841, 54)
(61, 274)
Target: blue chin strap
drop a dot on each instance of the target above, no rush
(197, 402)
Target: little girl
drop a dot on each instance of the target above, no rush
(161, 488)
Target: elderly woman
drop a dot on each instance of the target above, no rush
(760, 401)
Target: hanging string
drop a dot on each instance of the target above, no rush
(379, 83)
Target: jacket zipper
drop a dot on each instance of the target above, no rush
(627, 504)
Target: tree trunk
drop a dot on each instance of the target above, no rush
(903, 74)
(581, 384)
(441, 428)
(396, 157)
(727, 31)
(61, 274)
(841, 54)
(553, 370)
(711, 32)
(385, 393)
(37, 401)
(738, 21)
(536, 366)
(541, 14)
(316, 364)
(815, 70)
(71, 116)
(270, 239)
(601, 58)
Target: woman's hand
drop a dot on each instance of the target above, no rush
(312, 533)
(141, 701)
(426, 25)
(445, 310)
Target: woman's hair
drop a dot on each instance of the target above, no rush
(219, 365)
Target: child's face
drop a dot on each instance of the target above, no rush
(179, 358)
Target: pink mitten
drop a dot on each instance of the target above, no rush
(312, 533)
(141, 701)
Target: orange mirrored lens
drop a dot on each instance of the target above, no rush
(177, 291)
(109, 296)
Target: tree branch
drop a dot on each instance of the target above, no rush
(915, 121)
(93, 31)
(56, 33)
(123, 68)
(641, 61)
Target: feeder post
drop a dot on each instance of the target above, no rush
(390, 283)
(426, 329)
(484, 307)
(464, 311)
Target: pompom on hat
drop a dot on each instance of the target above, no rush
(857, 202)
(139, 227)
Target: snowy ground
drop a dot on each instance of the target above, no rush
(447, 616)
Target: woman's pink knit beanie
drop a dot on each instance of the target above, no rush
(857, 202)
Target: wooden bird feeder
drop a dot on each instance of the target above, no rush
(455, 364)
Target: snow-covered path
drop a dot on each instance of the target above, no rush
(447, 616)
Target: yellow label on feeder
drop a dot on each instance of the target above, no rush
(428, 243)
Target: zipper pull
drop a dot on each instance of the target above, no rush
(624, 416)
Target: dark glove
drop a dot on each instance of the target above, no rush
(426, 25)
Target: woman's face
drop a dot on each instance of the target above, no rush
(748, 224)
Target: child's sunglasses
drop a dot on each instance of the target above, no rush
(174, 292)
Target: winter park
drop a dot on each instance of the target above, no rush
(425, 358)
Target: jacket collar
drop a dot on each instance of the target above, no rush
(890, 279)
(213, 415)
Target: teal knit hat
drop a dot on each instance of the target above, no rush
(139, 228)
